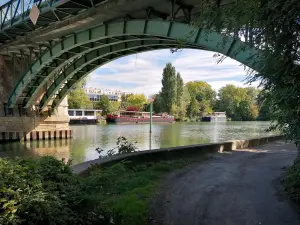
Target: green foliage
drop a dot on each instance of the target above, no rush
(168, 91)
(245, 111)
(292, 181)
(179, 91)
(114, 106)
(193, 109)
(137, 100)
(45, 191)
(239, 103)
(78, 99)
(158, 103)
(264, 102)
(123, 146)
(201, 90)
(124, 97)
(124, 101)
(271, 26)
(103, 104)
(202, 96)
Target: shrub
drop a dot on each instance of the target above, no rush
(123, 146)
(45, 191)
(292, 181)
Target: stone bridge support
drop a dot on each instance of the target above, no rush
(18, 124)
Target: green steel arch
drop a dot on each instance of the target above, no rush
(58, 65)
(203, 38)
(57, 68)
(87, 63)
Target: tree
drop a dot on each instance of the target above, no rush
(78, 99)
(158, 103)
(245, 111)
(203, 93)
(124, 97)
(179, 92)
(193, 109)
(265, 105)
(104, 105)
(168, 91)
(114, 106)
(229, 98)
(239, 103)
(137, 100)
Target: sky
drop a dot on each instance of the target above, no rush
(142, 73)
(2, 2)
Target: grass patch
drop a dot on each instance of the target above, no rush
(126, 190)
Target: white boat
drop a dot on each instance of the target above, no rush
(215, 117)
(84, 116)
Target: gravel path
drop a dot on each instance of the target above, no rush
(238, 188)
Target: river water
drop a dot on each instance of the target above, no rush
(88, 137)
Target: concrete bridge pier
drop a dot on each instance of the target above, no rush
(27, 124)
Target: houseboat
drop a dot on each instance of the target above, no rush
(138, 117)
(84, 116)
(215, 117)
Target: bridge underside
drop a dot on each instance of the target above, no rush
(39, 65)
(53, 74)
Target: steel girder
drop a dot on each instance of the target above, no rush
(14, 15)
(82, 66)
(59, 64)
(203, 38)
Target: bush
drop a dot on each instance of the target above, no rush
(292, 181)
(45, 191)
(123, 146)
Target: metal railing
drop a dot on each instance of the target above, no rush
(18, 10)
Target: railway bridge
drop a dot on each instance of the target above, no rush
(40, 63)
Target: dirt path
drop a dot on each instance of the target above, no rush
(238, 188)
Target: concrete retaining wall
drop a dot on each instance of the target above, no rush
(176, 152)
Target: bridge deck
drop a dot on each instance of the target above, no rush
(60, 18)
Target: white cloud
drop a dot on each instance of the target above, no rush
(142, 73)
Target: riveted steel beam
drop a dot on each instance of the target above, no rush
(210, 40)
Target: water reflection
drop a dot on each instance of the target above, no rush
(87, 138)
(58, 148)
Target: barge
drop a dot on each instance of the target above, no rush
(138, 117)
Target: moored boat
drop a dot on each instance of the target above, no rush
(84, 116)
(138, 117)
(215, 117)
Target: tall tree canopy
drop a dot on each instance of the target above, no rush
(168, 91)
(179, 89)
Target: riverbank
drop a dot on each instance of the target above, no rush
(175, 152)
(151, 190)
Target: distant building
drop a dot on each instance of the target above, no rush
(95, 94)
